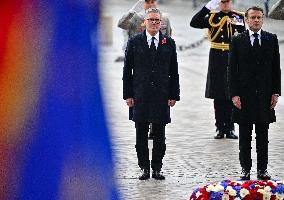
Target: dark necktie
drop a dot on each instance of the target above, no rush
(153, 47)
(256, 40)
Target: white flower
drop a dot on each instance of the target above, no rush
(237, 198)
(225, 197)
(231, 191)
(209, 188)
(218, 188)
(279, 196)
(243, 192)
(261, 191)
(267, 188)
(229, 188)
(266, 196)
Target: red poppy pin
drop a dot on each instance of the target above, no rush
(164, 40)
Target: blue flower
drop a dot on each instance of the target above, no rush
(216, 195)
(224, 184)
(279, 189)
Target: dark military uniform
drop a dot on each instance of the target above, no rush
(221, 27)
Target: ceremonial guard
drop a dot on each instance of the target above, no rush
(222, 25)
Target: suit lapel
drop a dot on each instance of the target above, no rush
(247, 44)
(145, 45)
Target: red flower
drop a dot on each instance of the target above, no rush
(270, 184)
(273, 197)
(164, 40)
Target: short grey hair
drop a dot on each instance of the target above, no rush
(153, 10)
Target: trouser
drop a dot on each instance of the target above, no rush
(223, 115)
(245, 137)
(159, 146)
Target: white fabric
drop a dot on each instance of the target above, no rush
(251, 37)
(138, 6)
(149, 39)
(213, 4)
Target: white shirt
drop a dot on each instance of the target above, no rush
(252, 37)
(149, 39)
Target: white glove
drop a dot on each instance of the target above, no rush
(213, 4)
(138, 6)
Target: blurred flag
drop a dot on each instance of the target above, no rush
(54, 142)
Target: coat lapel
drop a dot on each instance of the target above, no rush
(145, 45)
(162, 44)
(247, 44)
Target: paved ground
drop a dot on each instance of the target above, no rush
(193, 157)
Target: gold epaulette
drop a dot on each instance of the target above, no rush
(221, 46)
(239, 12)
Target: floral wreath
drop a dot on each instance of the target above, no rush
(236, 190)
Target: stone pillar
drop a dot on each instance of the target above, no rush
(106, 32)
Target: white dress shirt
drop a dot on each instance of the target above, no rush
(149, 39)
(252, 37)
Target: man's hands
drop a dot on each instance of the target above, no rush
(138, 6)
(274, 100)
(130, 102)
(213, 4)
(237, 102)
(171, 103)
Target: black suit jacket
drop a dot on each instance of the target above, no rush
(254, 77)
(151, 81)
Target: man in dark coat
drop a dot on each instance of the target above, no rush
(150, 88)
(221, 26)
(255, 84)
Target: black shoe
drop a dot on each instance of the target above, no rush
(231, 135)
(157, 175)
(151, 136)
(245, 175)
(219, 135)
(145, 174)
(263, 175)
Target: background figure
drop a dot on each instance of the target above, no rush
(150, 87)
(194, 4)
(133, 20)
(266, 6)
(133, 23)
(221, 27)
(255, 83)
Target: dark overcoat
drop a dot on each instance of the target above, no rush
(151, 80)
(255, 77)
(221, 33)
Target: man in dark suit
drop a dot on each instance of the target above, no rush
(150, 88)
(221, 25)
(255, 84)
